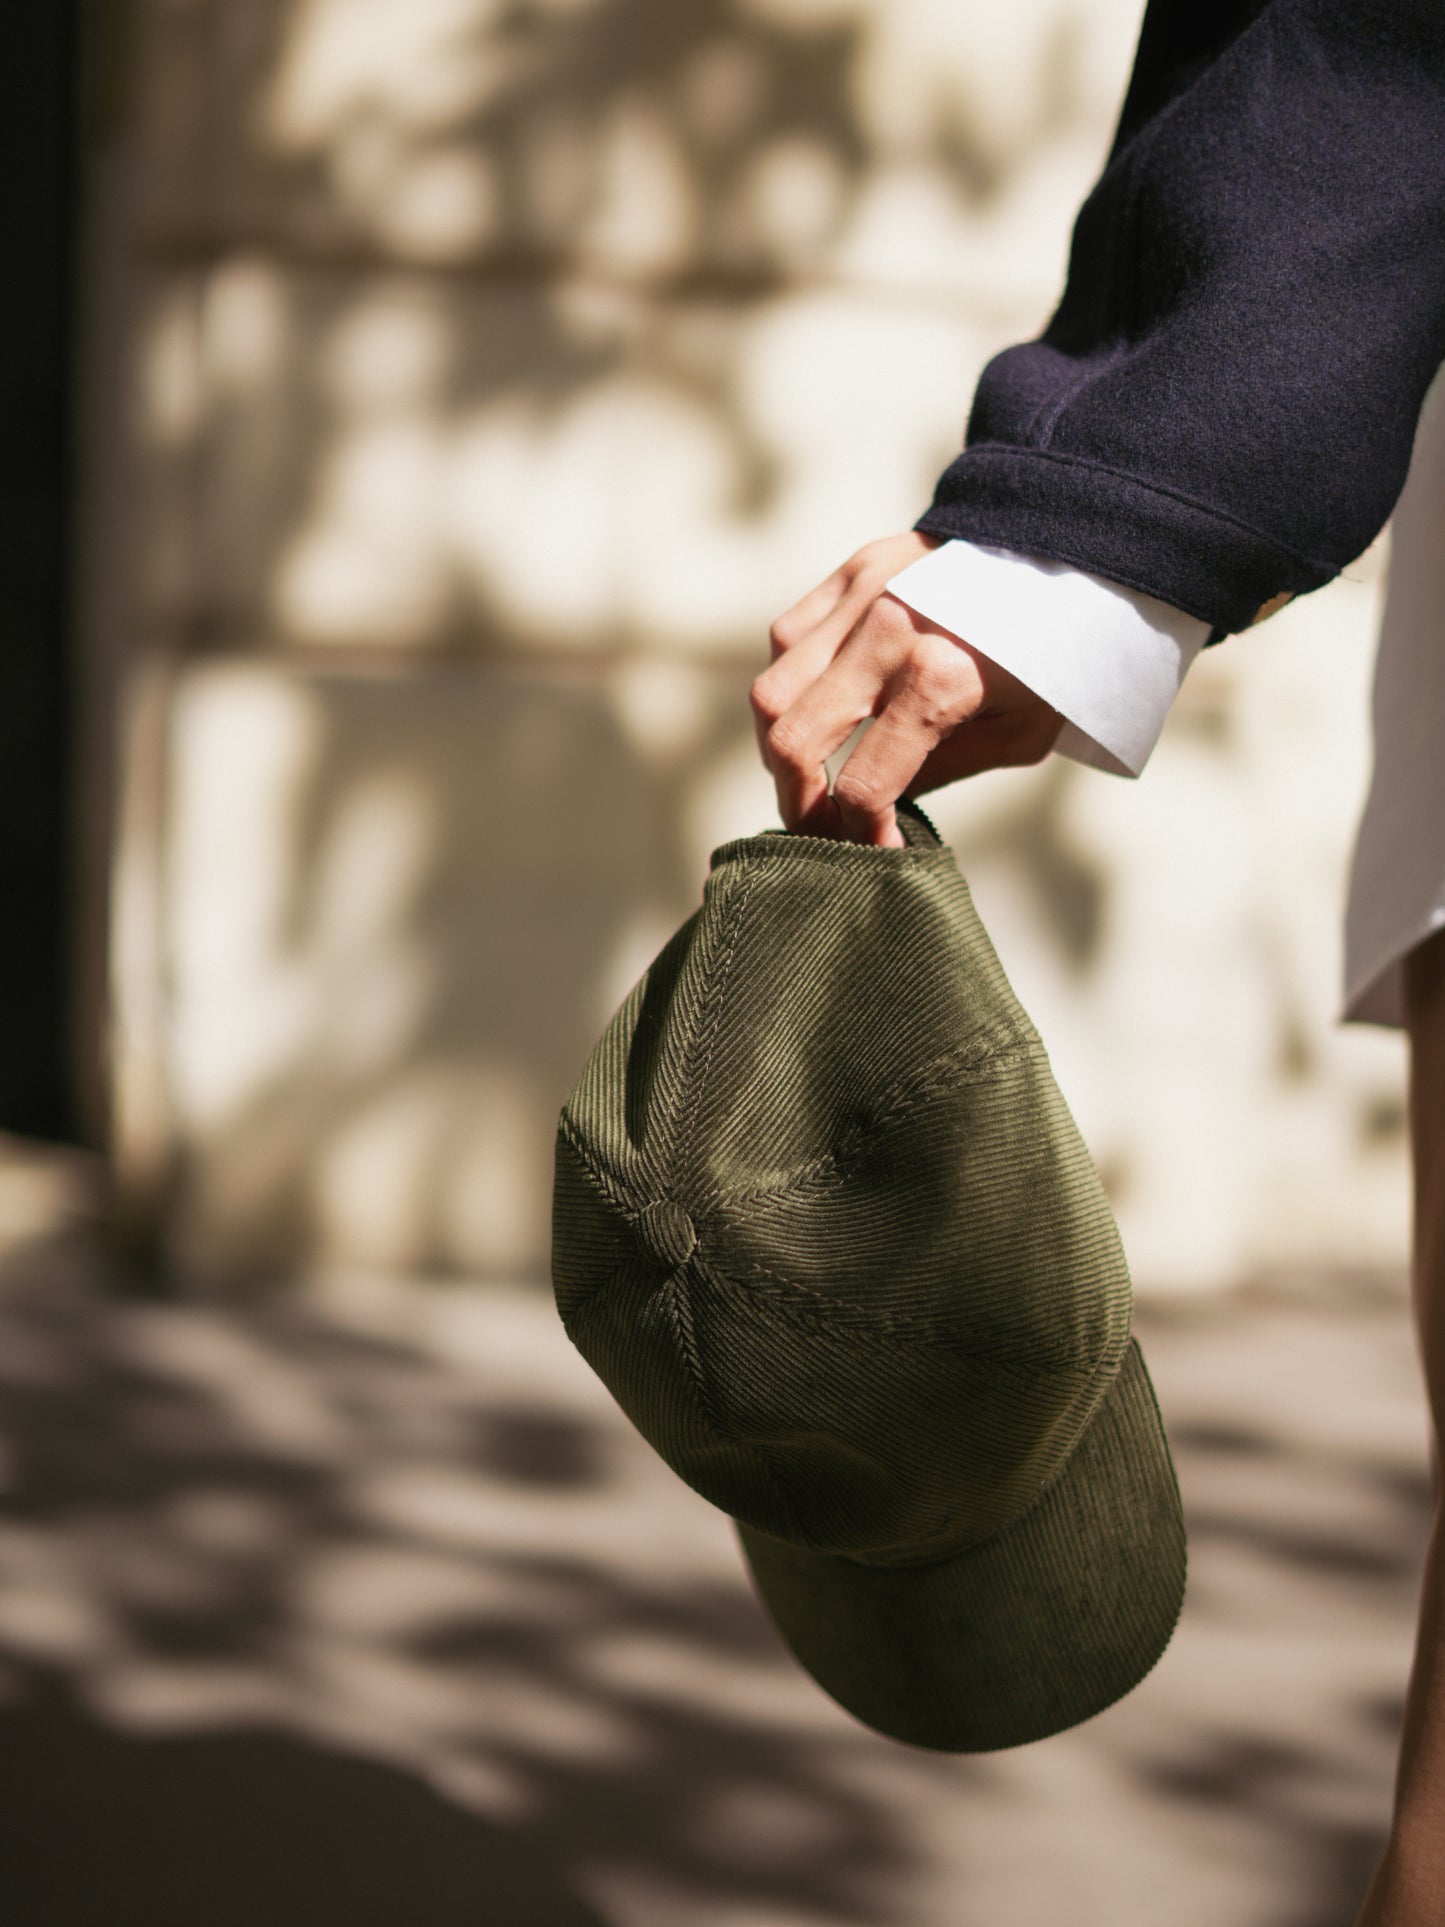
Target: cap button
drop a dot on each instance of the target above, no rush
(668, 1233)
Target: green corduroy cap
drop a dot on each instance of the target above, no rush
(823, 1224)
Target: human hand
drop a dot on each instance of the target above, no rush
(849, 650)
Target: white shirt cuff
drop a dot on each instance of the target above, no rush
(1109, 659)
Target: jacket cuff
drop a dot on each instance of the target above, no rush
(1046, 502)
(1107, 657)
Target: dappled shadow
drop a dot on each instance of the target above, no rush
(291, 1596)
(237, 1828)
(408, 272)
(378, 1604)
(445, 917)
(1298, 1424)
(1069, 888)
(319, 129)
(1269, 1780)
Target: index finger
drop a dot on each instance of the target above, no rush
(805, 614)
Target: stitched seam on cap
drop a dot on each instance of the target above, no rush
(684, 1147)
(602, 1179)
(678, 1313)
(678, 1316)
(806, 1309)
(594, 1299)
(796, 847)
(831, 1168)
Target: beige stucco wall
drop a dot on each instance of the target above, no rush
(490, 377)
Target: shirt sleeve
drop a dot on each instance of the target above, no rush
(1221, 410)
(1108, 658)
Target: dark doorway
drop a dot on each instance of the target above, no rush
(38, 122)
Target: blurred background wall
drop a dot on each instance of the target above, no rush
(468, 386)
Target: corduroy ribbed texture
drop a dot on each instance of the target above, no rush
(825, 1227)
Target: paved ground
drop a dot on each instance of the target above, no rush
(372, 1609)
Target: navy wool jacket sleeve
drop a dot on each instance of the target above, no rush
(1220, 412)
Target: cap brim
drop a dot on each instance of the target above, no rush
(1040, 1627)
